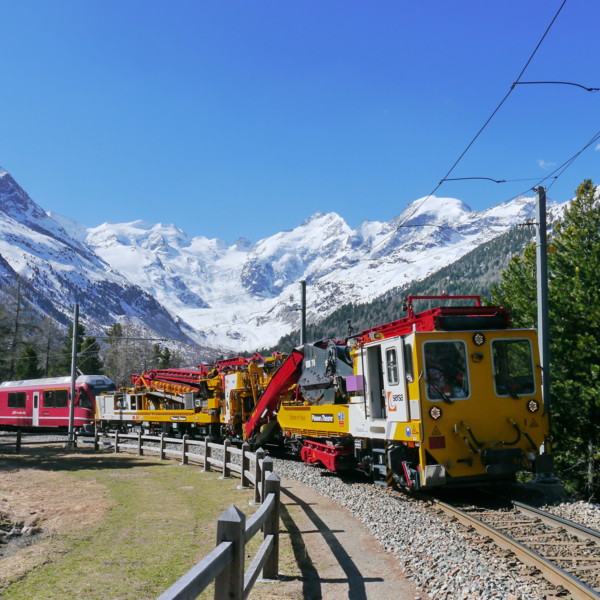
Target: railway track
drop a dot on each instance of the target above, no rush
(565, 553)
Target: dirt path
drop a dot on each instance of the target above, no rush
(337, 556)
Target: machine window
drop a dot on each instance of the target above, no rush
(16, 399)
(446, 371)
(391, 360)
(513, 367)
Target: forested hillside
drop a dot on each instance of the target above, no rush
(474, 273)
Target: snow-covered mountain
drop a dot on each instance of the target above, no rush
(56, 268)
(243, 296)
(247, 295)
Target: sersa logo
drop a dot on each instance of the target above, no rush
(393, 400)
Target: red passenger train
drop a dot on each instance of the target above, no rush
(42, 403)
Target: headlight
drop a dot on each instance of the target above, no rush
(435, 412)
(478, 339)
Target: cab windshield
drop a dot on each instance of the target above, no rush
(446, 370)
(513, 367)
(101, 387)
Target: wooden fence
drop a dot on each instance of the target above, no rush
(225, 565)
(32, 439)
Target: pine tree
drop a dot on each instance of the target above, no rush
(574, 296)
(62, 368)
(518, 288)
(88, 354)
(26, 366)
(574, 303)
(162, 358)
(88, 360)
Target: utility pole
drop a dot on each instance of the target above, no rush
(545, 475)
(303, 312)
(71, 437)
(542, 294)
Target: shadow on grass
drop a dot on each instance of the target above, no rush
(53, 458)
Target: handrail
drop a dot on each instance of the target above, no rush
(200, 576)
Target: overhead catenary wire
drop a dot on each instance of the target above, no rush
(482, 128)
(583, 87)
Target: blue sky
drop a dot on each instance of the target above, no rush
(237, 118)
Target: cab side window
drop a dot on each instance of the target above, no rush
(391, 360)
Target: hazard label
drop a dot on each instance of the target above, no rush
(436, 431)
(533, 423)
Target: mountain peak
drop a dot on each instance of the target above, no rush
(431, 210)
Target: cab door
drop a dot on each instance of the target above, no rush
(394, 381)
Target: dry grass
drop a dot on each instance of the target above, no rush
(113, 526)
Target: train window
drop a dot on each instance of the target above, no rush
(513, 367)
(84, 401)
(391, 360)
(16, 400)
(446, 372)
(408, 363)
(56, 398)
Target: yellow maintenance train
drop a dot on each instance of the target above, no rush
(448, 396)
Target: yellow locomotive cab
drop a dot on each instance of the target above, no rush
(450, 396)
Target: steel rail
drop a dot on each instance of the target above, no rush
(553, 573)
(573, 528)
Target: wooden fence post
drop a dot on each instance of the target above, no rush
(230, 528)
(226, 470)
(267, 468)
(184, 449)
(18, 442)
(161, 448)
(271, 527)
(116, 441)
(140, 449)
(206, 454)
(245, 483)
(260, 455)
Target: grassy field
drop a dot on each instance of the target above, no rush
(160, 519)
